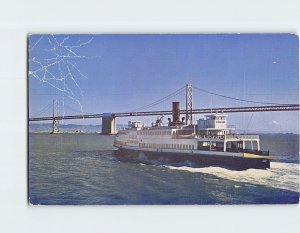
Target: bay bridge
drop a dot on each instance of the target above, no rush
(109, 119)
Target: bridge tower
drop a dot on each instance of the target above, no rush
(55, 125)
(189, 104)
(109, 124)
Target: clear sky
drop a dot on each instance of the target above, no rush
(115, 73)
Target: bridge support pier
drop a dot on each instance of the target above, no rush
(109, 126)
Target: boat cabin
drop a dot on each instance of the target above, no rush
(135, 124)
(215, 134)
(213, 124)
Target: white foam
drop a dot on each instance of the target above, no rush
(280, 175)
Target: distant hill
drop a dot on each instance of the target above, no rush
(68, 128)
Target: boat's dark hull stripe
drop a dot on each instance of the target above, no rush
(198, 160)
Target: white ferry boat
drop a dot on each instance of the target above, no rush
(210, 142)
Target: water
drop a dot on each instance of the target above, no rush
(82, 170)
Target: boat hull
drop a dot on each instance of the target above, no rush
(193, 160)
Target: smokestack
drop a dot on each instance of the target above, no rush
(176, 112)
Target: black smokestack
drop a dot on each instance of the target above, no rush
(176, 112)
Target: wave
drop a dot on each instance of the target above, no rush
(280, 175)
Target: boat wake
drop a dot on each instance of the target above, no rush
(280, 175)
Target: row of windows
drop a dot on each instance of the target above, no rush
(154, 132)
(167, 146)
(132, 141)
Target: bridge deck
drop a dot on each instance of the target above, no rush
(283, 107)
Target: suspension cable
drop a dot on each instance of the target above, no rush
(173, 94)
(233, 98)
(38, 113)
(78, 111)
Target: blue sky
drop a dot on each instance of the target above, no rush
(122, 72)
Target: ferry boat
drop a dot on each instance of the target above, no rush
(210, 142)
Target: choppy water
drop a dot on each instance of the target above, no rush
(82, 169)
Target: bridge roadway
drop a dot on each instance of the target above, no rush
(282, 107)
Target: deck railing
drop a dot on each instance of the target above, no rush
(237, 136)
(229, 136)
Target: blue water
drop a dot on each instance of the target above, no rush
(82, 170)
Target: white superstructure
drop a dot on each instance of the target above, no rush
(210, 134)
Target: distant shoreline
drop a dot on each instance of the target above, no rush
(99, 133)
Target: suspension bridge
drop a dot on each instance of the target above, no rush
(109, 119)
